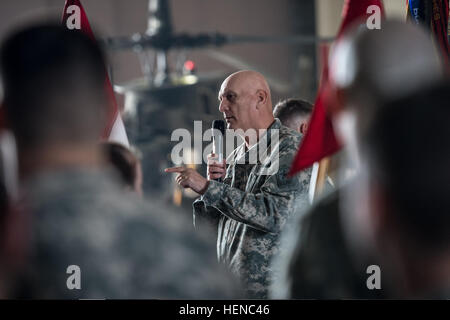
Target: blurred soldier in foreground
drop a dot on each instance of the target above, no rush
(4, 246)
(368, 68)
(294, 114)
(407, 187)
(250, 208)
(87, 238)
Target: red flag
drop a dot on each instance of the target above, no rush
(114, 128)
(320, 140)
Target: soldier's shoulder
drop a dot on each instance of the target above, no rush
(289, 137)
(166, 241)
(107, 231)
(168, 224)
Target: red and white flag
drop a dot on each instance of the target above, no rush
(74, 17)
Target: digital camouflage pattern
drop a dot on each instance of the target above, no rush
(125, 247)
(250, 209)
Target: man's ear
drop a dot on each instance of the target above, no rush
(303, 127)
(262, 97)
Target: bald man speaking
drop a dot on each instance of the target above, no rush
(250, 208)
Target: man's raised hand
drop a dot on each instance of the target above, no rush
(215, 169)
(189, 178)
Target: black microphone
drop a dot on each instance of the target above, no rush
(218, 141)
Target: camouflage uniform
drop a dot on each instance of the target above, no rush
(124, 246)
(249, 210)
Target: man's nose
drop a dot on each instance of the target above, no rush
(223, 106)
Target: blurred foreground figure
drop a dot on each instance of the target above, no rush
(408, 187)
(4, 211)
(368, 69)
(126, 163)
(251, 207)
(87, 238)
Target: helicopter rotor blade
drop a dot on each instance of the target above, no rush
(202, 40)
(289, 40)
(239, 63)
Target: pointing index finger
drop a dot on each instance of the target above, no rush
(174, 169)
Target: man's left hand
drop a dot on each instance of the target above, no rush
(189, 178)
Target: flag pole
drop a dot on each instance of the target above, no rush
(321, 176)
(322, 168)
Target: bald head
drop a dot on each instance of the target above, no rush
(248, 80)
(245, 101)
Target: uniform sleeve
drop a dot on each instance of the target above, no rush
(207, 216)
(268, 209)
(204, 217)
